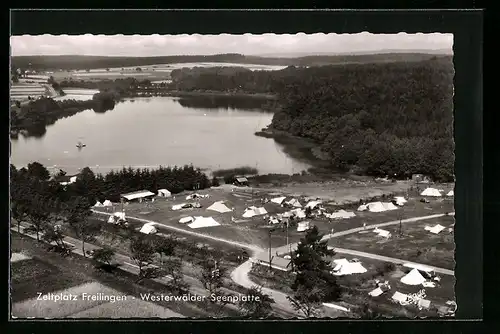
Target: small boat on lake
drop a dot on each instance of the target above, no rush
(80, 145)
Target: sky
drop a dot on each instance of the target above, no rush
(248, 44)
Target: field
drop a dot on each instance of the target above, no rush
(48, 272)
(357, 286)
(415, 244)
(255, 231)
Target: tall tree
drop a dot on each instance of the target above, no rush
(212, 275)
(38, 216)
(314, 283)
(85, 229)
(173, 268)
(143, 252)
(38, 171)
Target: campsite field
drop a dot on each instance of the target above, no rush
(255, 230)
(415, 244)
(50, 272)
(355, 288)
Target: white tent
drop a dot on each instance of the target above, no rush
(111, 219)
(363, 207)
(274, 220)
(194, 196)
(200, 222)
(294, 202)
(388, 206)
(254, 211)
(219, 207)
(164, 193)
(98, 204)
(278, 200)
(433, 192)
(382, 233)
(148, 228)
(344, 267)
(341, 214)
(313, 204)
(413, 278)
(451, 193)
(300, 213)
(400, 200)
(119, 215)
(400, 298)
(185, 220)
(302, 226)
(180, 206)
(107, 203)
(435, 229)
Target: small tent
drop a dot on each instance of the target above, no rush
(435, 229)
(185, 220)
(375, 207)
(164, 193)
(344, 267)
(400, 298)
(377, 292)
(302, 226)
(413, 278)
(278, 200)
(98, 204)
(148, 228)
(219, 207)
(107, 203)
(313, 204)
(400, 200)
(432, 192)
(119, 215)
(200, 222)
(299, 213)
(254, 211)
(111, 219)
(363, 207)
(451, 193)
(382, 233)
(341, 214)
(181, 206)
(294, 202)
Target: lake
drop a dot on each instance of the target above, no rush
(167, 131)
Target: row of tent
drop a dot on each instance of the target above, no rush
(433, 192)
(106, 203)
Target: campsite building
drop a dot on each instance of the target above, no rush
(241, 181)
(277, 262)
(137, 195)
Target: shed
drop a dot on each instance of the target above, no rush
(277, 262)
(241, 181)
(137, 195)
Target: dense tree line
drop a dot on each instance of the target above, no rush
(381, 119)
(88, 62)
(35, 115)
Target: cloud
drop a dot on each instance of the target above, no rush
(164, 45)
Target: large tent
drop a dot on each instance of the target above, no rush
(400, 200)
(278, 200)
(313, 204)
(148, 228)
(200, 222)
(164, 193)
(219, 207)
(344, 267)
(107, 203)
(413, 278)
(451, 193)
(435, 229)
(119, 215)
(377, 207)
(341, 214)
(432, 192)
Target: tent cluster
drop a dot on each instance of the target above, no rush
(377, 207)
(417, 299)
(382, 287)
(106, 203)
(344, 267)
(117, 217)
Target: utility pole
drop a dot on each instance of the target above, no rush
(400, 224)
(270, 245)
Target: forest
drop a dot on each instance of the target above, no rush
(74, 62)
(379, 119)
(98, 187)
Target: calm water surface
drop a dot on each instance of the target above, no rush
(148, 132)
